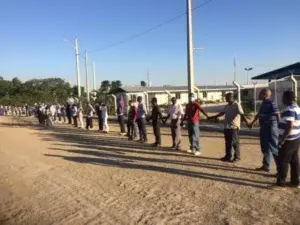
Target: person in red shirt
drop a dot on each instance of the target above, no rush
(192, 116)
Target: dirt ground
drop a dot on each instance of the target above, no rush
(65, 175)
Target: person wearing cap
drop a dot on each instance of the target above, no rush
(233, 113)
(192, 111)
(289, 141)
(268, 117)
(175, 113)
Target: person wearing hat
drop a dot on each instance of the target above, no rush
(192, 111)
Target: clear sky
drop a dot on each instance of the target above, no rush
(261, 33)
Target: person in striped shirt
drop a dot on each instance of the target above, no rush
(268, 117)
(289, 141)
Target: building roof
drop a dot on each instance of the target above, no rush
(175, 88)
(280, 73)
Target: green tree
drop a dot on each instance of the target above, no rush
(143, 83)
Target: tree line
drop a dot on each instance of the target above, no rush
(49, 90)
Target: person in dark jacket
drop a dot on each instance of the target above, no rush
(120, 114)
(156, 118)
(69, 113)
(99, 114)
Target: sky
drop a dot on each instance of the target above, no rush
(263, 34)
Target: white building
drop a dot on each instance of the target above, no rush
(205, 93)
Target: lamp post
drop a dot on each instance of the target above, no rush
(75, 46)
(247, 72)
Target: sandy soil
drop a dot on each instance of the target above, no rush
(69, 176)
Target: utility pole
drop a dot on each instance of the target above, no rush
(87, 76)
(190, 49)
(234, 69)
(148, 79)
(94, 80)
(77, 68)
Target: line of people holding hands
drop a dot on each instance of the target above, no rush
(279, 133)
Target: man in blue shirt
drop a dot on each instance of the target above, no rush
(289, 140)
(268, 117)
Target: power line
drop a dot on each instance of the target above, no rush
(148, 30)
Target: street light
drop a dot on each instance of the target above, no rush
(75, 46)
(247, 71)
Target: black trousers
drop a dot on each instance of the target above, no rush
(156, 131)
(121, 123)
(232, 140)
(130, 128)
(70, 119)
(89, 123)
(100, 123)
(289, 156)
(75, 121)
(142, 129)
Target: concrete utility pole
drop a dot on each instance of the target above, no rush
(94, 80)
(87, 76)
(190, 49)
(77, 68)
(75, 46)
(148, 79)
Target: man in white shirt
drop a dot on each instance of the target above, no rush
(89, 116)
(104, 116)
(175, 114)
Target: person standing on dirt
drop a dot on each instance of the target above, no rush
(63, 113)
(74, 114)
(175, 112)
(120, 114)
(89, 116)
(289, 141)
(69, 113)
(131, 122)
(80, 116)
(192, 111)
(141, 119)
(156, 118)
(234, 113)
(268, 117)
(104, 116)
(99, 114)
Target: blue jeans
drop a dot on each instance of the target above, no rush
(194, 136)
(269, 142)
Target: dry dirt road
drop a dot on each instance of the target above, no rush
(69, 176)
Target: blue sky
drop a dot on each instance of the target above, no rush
(262, 33)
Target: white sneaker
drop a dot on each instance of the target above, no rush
(197, 153)
(189, 151)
